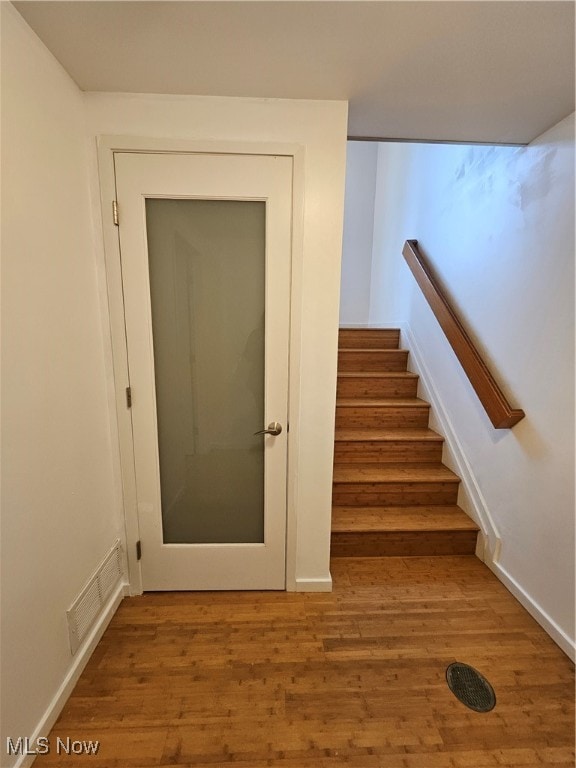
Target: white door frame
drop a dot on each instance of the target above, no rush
(107, 146)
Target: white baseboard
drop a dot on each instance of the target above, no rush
(79, 662)
(472, 500)
(566, 643)
(314, 585)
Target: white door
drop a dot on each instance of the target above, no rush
(205, 243)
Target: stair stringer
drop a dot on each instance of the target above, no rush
(470, 497)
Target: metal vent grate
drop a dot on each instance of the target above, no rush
(469, 687)
(91, 601)
(87, 608)
(109, 573)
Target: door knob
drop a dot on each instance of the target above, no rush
(273, 429)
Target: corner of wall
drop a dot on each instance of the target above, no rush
(566, 643)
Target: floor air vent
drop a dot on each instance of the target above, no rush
(92, 599)
(469, 687)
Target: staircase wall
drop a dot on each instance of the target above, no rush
(357, 241)
(498, 225)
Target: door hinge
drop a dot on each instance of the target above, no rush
(115, 212)
(128, 397)
(138, 550)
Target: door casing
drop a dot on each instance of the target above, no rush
(107, 146)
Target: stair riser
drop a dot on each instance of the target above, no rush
(365, 339)
(403, 544)
(381, 417)
(376, 388)
(393, 452)
(393, 494)
(372, 361)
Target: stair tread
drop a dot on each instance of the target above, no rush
(386, 350)
(393, 473)
(377, 375)
(396, 519)
(402, 402)
(366, 329)
(383, 435)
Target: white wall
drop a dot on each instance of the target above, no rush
(361, 165)
(61, 492)
(320, 128)
(497, 224)
(394, 207)
(60, 508)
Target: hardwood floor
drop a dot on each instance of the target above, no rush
(354, 678)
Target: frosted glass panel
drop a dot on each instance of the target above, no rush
(206, 261)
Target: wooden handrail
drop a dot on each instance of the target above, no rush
(499, 410)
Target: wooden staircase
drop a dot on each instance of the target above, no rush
(392, 496)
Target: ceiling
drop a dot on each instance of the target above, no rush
(496, 72)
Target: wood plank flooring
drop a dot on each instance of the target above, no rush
(353, 678)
